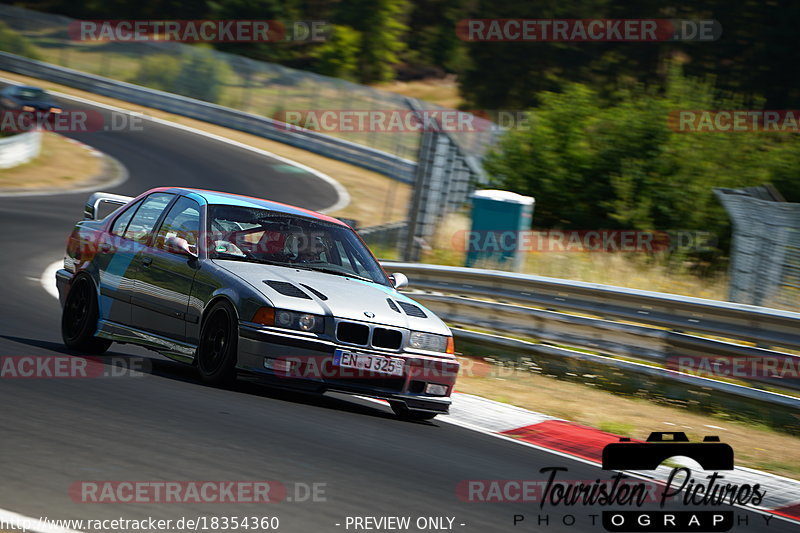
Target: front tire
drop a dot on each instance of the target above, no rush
(402, 412)
(79, 319)
(217, 352)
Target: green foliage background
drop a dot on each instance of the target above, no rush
(616, 163)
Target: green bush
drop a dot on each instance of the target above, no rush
(618, 164)
(158, 72)
(338, 56)
(202, 75)
(14, 42)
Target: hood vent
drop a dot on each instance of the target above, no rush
(392, 305)
(287, 289)
(412, 310)
(315, 292)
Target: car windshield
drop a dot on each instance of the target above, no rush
(264, 236)
(29, 93)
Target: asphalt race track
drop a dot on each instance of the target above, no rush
(165, 425)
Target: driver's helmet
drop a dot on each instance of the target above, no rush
(305, 247)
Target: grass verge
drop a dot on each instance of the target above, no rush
(646, 271)
(60, 164)
(755, 446)
(443, 92)
(375, 199)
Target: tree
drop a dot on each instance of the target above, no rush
(201, 75)
(621, 165)
(432, 39)
(382, 28)
(15, 43)
(752, 56)
(338, 56)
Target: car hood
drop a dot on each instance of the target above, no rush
(334, 295)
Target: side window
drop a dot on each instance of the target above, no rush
(183, 221)
(121, 223)
(352, 259)
(143, 222)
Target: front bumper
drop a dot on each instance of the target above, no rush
(288, 358)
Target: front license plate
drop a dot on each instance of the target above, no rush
(392, 366)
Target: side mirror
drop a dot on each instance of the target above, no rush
(399, 281)
(177, 245)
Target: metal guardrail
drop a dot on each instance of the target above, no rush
(350, 152)
(647, 326)
(748, 323)
(19, 149)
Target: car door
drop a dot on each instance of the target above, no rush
(118, 252)
(113, 260)
(163, 278)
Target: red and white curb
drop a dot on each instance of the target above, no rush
(586, 444)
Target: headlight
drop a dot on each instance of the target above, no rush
(284, 319)
(307, 322)
(28, 108)
(427, 341)
(289, 320)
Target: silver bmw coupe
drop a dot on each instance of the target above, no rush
(233, 284)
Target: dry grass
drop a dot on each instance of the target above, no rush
(376, 199)
(756, 447)
(60, 164)
(443, 92)
(621, 269)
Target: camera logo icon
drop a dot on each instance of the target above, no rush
(711, 454)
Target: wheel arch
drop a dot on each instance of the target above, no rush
(84, 274)
(214, 301)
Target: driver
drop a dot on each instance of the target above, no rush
(305, 248)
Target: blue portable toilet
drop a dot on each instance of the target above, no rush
(498, 220)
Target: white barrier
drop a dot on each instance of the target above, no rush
(19, 149)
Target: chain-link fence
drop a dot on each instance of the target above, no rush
(257, 87)
(765, 256)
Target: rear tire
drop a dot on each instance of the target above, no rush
(79, 319)
(218, 348)
(402, 412)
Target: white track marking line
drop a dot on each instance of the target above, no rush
(447, 419)
(48, 278)
(343, 196)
